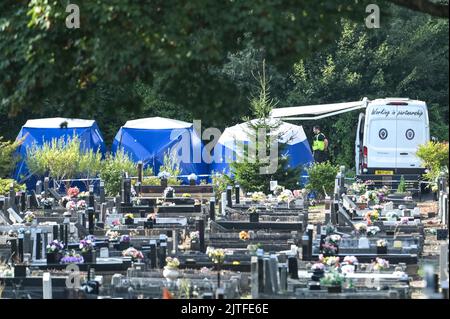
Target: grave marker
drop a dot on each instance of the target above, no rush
(254, 277)
(102, 192)
(39, 187)
(237, 190)
(46, 186)
(212, 209)
(47, 286)
(14, 217)
(229, 200)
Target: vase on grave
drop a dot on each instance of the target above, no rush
(334, 289)
(382, 250)
(317, 274)
(171, 274)
(192, 182)
(129, 221)
(89, 256)
(254, 217)
(20, 271)
(53, 258)
(164, 182)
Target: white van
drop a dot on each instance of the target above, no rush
(387, 138)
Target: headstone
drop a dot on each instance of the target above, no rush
(34, 202)
(310, 232)
(47, 286)
(175, 241)
(45, 242)
(293, 267)
(91, 199)
(162, 254)
(55, 194)
(268, 287)
(66, 232)
(23, 201)
(260, 271)
(201, 232)
(282, 269)
(46, 185)
(91, 224)
(212, 209)
(102, 192)
(27, 243)
(254, 277)
(229, 200)
(274, 272)
(37, 251)
(140, 170)
(237, 190)
(12, 196)
(39, 187)
(104, 252)
(363, 243)
(443, 263)
(126, 191)
(103, 209)
(441, 234)
(223, 203)
(153, 254)
(20, 247)
(61, 232)
(13, 243)
(305, 248)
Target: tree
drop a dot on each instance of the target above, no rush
(248, 169)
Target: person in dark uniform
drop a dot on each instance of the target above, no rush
(320, 145)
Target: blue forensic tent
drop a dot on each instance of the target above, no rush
(227, 148)
(149, 139)
(44, 130)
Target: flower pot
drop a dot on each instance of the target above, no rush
(381, 250)
(317, 274)
(192, 182)
(53, 258)
(129, 221)
(164, 182)
(171, 274)
(254, 217)
(89, 256)
(335, 289)
(20, 271)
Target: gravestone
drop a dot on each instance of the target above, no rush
(175, 241)
(102, 192)
(260, 271)
(47, 286)
(153, 254)
(162, 254)
(229, 199)
(12, 197)
(20, 247)
(103, 210)
(104, 252)
(441, 234)
(268, 287)
(39, 187)
(45, 241)
(46, 186)
(305, 248)
(27, 243)
(254, 277)
(23, 201)
(274, 272)
(363, 243)
(37, 249)
(66, 223)
(126, 191)
(310, 232)
(140, 170)
(91, 198)
(223, 203)
(34, 202)
(282, 269)
(443, 263)
(293, 267)
(237, 190)
(201, 232)
(212, 209)
(91, 223)
(55, 194)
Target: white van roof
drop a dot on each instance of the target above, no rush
(396, 99)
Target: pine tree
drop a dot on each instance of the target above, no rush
(247, 170)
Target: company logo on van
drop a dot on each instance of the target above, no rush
(403, 113)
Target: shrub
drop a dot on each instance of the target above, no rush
(401, 186)
(5, 184)
(434, 156)
(322, 175)
(7, 157)
(112, 170)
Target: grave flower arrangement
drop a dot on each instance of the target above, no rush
(330, 261)
(333, 279)
(381, 243)
(125, 239)
(55, 247)
(358, 188)
(136, 201)
(194, 235)
(133, 253)
(252, 248)
(258, 196)
(318, 267)
(72, 257)
(71, 205)
(73, 192)
(186, 195)
(129, 216)
(371, 216)
(169, 192)
(84, 195)
(373, 230)
(113, 235)
(172, 263)
(243, 235)
(216, 255)
(380, 264)
(392, 216)
(29, 217)
(87, 244)
(350, 260)
(372, 196)
(361, 229)
(116, 223)
(285, 196)
(278, 190)
(81, 204)
(47, 202)
(378, 208)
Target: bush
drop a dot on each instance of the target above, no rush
(173, 168)
(401, 189)
(434, 156)
(112, 170)
(7, 157)
(322, 175)
(6, 182)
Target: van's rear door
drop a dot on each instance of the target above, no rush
(412, 130)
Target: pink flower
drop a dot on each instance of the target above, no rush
(73, 191)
